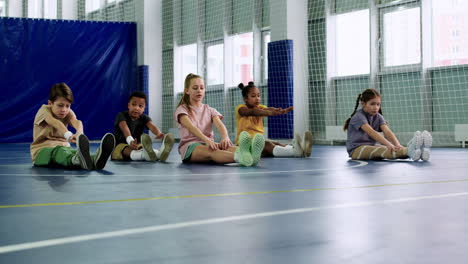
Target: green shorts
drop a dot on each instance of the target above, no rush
(190, 149)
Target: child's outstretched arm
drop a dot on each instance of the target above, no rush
(379, 138)
(225, 141)
(391, 136)
(126, 131)
(153, 128)
(62, 129)
(270, 111)
(185, 121)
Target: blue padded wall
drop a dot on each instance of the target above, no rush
(143, 84)
(98, 60)
(280, 87)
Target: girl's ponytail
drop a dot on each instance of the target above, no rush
(345, 127)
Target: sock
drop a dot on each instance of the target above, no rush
(287, 151)
(236, 157)
(158, 153)
(137, 155)
(76, 160)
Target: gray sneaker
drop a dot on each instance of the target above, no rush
(148, 151)
(297, 146)
(82, 156)
(166, 147)
(104, 151)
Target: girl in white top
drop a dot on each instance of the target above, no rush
(196, 121)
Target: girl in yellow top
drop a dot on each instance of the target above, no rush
(249, 117)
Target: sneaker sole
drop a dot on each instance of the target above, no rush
(427, 139)
(258, 144)
(425, 154)
(244, 155)
(148, 146)
(168, 143)
(83, 152)
(307, 143)
(104, 151)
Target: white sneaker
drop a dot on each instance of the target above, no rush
(148, 151)
(414, 146)
(427, 143)
(296, 144)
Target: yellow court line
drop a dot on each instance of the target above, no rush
(228, 194)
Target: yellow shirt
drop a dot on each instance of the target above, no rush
(252, 124)
(44, 135)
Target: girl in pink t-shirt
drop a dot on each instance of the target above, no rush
(196, 121)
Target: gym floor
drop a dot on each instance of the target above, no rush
(321, 209)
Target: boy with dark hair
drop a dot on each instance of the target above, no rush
(129, 127)
(51, 137)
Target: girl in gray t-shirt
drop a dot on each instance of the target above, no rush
(363, 129)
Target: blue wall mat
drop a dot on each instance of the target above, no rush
(280, 87)
(143, 85)
(98, 60)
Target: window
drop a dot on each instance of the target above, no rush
(266, 38)
(352, 43)
(92, 5)
(242, 58)
(401, 36)
(2, 8)
(187, 62)
(449, 33)
(214, 62)
(50, 9)
(35, 8)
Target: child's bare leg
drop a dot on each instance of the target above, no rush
(268, 150)
(202, 153)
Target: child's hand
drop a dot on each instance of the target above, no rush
(72, 139)
(392, 148)
(160, 136)
(225, 143)
(398, 147)
(212, 145)
(287, 110)
(134, 145)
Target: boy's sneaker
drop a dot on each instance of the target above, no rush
(243, 150)
(82, 157)
(427, 144)
(166, 147)
(414, 146)
(258, 144)
(307, 144)
(297, 148)
(148, 151)
(104, 151)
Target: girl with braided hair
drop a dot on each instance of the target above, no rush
(249, 117)
(363, 127)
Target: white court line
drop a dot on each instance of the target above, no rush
(156, 228)
(361, 163)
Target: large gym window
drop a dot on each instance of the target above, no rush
(352, 43)
(401, 36)
(214, 62)
(449, 32)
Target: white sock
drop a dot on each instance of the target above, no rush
(279, 151)
(236, 157)
(158, 153)
(137, 155)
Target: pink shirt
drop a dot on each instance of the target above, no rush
(202, 118)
